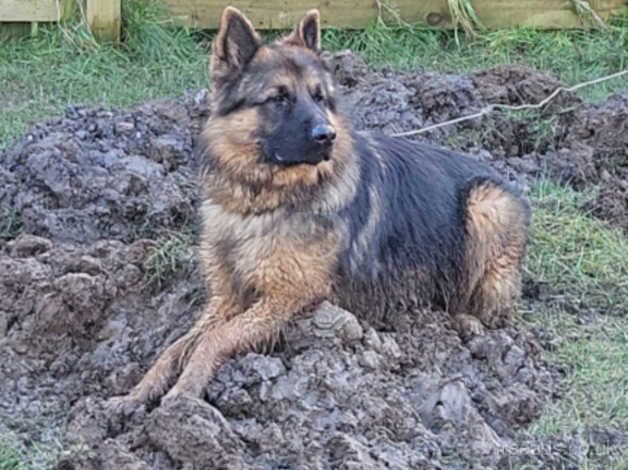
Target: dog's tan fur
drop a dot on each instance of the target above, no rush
(497, 228)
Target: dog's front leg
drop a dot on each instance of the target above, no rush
(171, 361)
(294, 273)
(258, 324)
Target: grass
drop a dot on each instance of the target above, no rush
(581, 258)
(170, 255)
(10, 457)
(10, 224)
(595, 386)
(582, 262)
(16, 456)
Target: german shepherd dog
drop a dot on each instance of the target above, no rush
(299, 208)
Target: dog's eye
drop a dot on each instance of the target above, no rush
(282, 97)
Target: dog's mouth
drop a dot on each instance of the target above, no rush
(307, 160)
(293, 157)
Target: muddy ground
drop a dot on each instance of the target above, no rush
(86, 197)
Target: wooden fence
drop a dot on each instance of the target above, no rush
(104, 16)
(494, 14)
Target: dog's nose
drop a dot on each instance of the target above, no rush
(323, 133)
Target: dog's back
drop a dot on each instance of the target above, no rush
(407, 233)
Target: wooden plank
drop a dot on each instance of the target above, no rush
(542, 14)
(104, 18)
(269, 14)
(29, 10)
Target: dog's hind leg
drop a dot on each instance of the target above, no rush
(496, 223)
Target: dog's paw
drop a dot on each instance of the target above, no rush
(180, 391)
(468, 326)
(124, 405)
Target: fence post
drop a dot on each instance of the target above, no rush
(105, 19)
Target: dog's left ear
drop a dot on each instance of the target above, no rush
(308, 33)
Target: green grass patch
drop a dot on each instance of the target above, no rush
(583, 264)
(596, 385)
(170, 256)
(10, 457)
(594, 399)
(577, 256)
(14, 455)
(10, 224)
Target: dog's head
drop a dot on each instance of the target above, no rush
(274, 104)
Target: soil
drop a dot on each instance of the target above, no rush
(84, 199)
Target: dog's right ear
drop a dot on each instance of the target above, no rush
(234, 46)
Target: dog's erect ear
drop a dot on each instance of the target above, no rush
(310, 30)
(308, 33)
(235, 44)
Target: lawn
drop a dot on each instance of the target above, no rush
(579, 256)
(584, 263)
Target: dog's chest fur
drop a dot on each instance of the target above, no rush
(258, 247)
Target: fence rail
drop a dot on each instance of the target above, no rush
(105, 16)
(29, 10)
(494, 14)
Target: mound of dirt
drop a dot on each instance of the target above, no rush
(99, 173)
(342, 395)
(84, 200)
